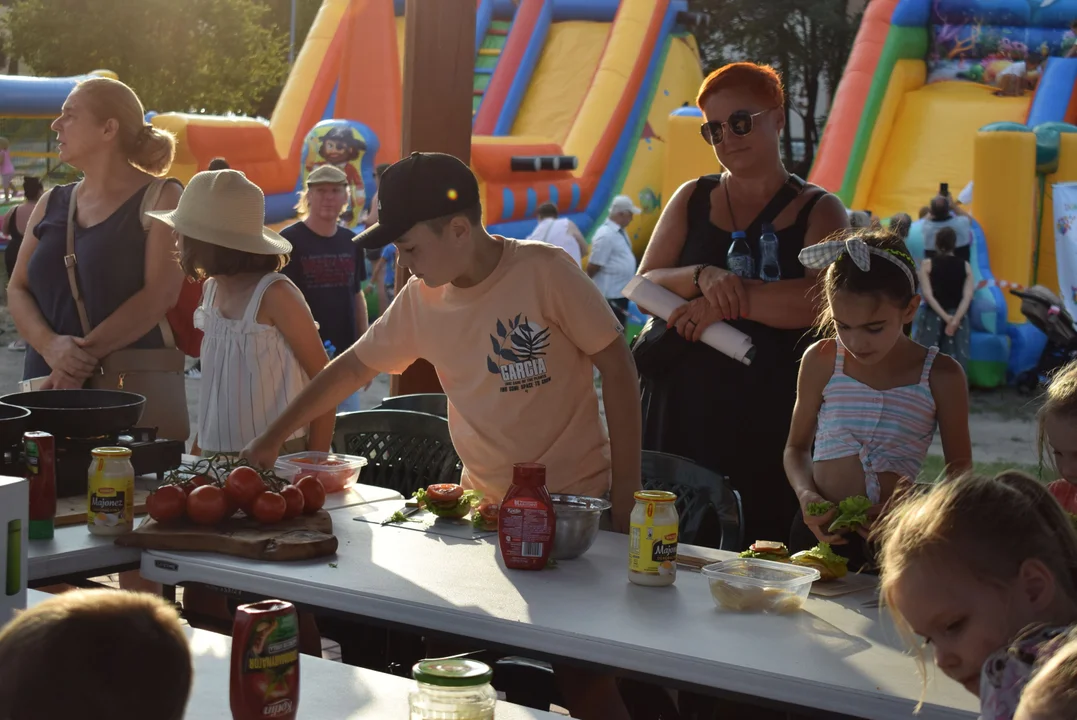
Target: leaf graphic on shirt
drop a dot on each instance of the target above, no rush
(510, 356)
(501, 329)
(528, 343)
(496, 344)
(492, 366)
(516, 321)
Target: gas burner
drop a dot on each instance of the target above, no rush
(148, 456)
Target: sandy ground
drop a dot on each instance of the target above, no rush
(1002, 422)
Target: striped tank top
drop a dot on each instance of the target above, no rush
(889, 430)
(249, 373)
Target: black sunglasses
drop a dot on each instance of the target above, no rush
(740, 123)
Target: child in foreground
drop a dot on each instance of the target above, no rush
(969, 567)
(261, 344)
(1051, 694)
(111, 654)
(869, 398)
(514, 331)
(1058, 433)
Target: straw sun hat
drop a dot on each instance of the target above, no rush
(223, 207)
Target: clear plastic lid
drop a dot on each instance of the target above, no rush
(762, 573)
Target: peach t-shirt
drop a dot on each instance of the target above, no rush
(512, 354)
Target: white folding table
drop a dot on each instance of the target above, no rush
(326, 689)
(73, 553)
(836, 655)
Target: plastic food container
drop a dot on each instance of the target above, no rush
(335, 471)
(750, 585)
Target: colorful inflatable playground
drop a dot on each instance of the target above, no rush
(917, 107)
(611, 84)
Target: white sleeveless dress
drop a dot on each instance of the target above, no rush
(249, 373)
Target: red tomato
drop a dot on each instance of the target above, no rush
(313, 494)
(269, 507)
(489, 513)
(167, 504)
(207, 505)
(444, 493)
(294, 497)
(243, 485)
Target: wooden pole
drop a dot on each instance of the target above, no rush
(439, 70)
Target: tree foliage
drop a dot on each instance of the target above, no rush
(213, 56)
(808, 41)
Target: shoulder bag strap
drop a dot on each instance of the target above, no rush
(71, 263)
(788, 193)
(149, 201)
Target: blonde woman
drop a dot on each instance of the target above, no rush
(128, 278)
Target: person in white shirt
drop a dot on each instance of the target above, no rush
(1020, 76)
(612, 263)
(560, 232)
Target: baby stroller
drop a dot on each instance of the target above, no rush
(1046, 312)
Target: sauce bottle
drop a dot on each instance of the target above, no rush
(265, 661)
(526, 521)
(39, 449)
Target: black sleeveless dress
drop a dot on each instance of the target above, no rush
(729, 417)
(111, 268)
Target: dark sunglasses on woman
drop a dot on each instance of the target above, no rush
(740, 123)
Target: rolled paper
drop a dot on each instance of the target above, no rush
(722, 337)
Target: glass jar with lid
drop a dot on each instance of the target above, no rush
(652, 544)
(452, 689)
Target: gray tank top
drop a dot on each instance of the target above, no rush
(111, 268)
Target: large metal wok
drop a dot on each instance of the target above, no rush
(79, 413)
(12, 424)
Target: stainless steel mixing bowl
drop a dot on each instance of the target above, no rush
(577, 524)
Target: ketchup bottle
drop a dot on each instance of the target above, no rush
(265, 661)
(526, 521)
(39, 449)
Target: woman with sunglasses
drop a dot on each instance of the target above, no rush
(700, 404)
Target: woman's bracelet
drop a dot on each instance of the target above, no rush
(695, 275)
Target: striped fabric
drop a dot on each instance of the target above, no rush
(889, 430)
(249, 373)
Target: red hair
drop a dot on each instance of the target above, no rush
(761, 80)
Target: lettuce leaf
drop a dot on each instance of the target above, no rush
(852, 514)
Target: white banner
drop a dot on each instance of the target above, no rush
(1065, 204)
(723, 338)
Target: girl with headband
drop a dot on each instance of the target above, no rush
(869, 398)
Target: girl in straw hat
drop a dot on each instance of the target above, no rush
(261, 344)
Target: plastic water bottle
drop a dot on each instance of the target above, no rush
(769, 268)
(739, 260)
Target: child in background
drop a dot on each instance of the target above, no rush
(1058, 432)
(7, 169)
(1051, 694)
(869, 398)
(971, 563)
(58, 657)
(261, 345)
(948, 285)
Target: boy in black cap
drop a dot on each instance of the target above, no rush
(514, 330)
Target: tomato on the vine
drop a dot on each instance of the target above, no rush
(243, 485)
(167, 503)
(269, 507)
(207, 505)
(293, 496)
(313, 494)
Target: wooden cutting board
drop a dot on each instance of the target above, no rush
(302, 538)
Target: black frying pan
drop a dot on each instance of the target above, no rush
(79, 413)
(12, 424)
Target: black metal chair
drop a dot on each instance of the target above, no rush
(431, 403)
(710, 509)
(405, 450)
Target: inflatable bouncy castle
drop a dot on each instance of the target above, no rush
(919, 105)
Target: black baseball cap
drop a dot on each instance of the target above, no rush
(421, 187)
